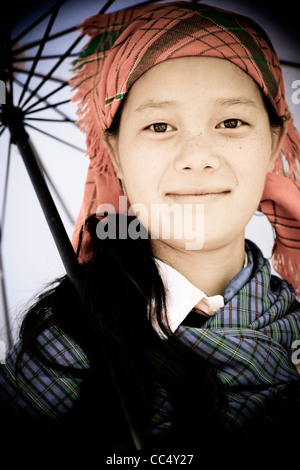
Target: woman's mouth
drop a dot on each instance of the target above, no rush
(198, 197)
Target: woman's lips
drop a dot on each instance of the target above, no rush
(193, 198)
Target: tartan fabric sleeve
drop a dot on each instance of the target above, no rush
(48, 383)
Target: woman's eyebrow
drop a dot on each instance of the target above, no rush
(236, 101)
(154, 105)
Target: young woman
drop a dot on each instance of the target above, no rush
(180, 336)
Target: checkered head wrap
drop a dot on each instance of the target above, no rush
(125, 44)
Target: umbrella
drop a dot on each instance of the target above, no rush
(37, 53)
(37, 122)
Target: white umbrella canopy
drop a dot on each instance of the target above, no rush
(44, 41)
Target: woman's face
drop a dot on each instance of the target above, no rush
(194, 139)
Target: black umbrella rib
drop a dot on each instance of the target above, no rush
(30, 45)
(289, 63)
(4, 300)
(49, 105)
(62, 57)
(44, 98)
(58, 111)
(55, 190)
(48, 75)
(37, 74)
(45, 57)
(106, 6)
(35, 23)
(140, 4)
(10, 95)
(5, 188)
(2, 129)
(50, 119)
(3, 285)
(55, 138)
(39, 52)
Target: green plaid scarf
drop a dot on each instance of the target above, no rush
(249, 342)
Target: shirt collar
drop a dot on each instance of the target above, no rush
(182, 295)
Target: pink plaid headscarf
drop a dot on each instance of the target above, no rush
(127, 43)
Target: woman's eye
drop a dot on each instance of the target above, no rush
(160, 127)
(230, 124)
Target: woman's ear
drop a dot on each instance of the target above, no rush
(111, 144)
(278, 136)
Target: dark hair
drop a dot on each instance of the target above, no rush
(119, 285)
(115, 125)
(276, 122)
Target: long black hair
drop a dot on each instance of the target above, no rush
(121, 295)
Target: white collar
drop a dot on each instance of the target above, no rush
(181, 294)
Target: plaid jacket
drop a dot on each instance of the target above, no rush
(248, 342)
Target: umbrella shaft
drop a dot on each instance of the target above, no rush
(52, 216)
(66, 251)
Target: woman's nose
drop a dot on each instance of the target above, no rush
(198, 153)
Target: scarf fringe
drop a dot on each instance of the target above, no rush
(287, 265)
(85, 80)
(288, 164)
